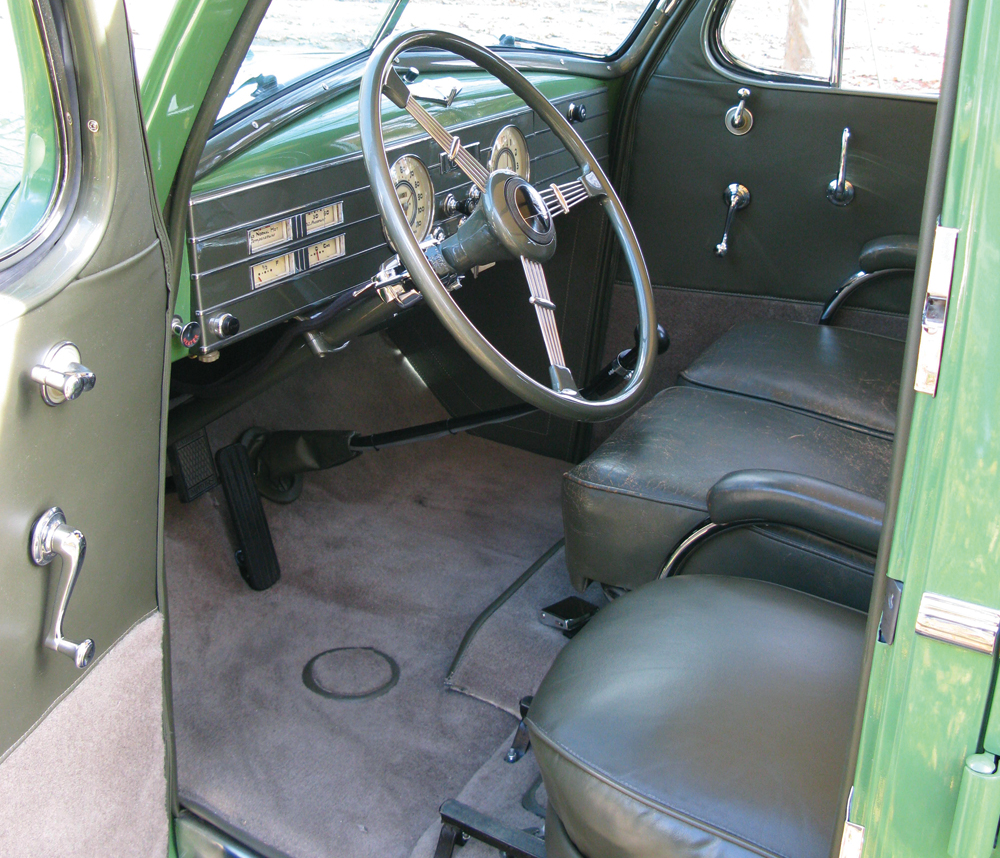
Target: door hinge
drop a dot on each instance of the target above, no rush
(853, 841)
(935, 309)
(974, 828)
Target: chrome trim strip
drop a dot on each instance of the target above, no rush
(953, 621)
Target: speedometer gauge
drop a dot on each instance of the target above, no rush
(415, 192)
(510, 152)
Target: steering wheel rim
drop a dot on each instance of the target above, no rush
(559, 403)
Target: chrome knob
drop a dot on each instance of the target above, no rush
(224, 325)
(61, 376)
(576, 112)
(450, 205)
(51, 537)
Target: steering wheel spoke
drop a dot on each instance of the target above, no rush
(545, 310)
(561, 198)
(399, 94)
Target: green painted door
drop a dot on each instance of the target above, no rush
(81, 262)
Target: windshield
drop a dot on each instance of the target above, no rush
(298, 37)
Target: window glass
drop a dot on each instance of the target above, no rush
(895, 46)
(29, 159)
(596, 27)
(297, 37)
(791, 37)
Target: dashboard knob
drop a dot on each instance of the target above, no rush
(450, 206)
(188, 334)
(467, 205)
(576, 112)
(224, 325)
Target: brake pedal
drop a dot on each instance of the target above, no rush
(192, 466)
(255, 555)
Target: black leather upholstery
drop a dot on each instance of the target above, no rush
(801, 502)
(700, 716)
(844, 376)
(890, 251)
(645, 488)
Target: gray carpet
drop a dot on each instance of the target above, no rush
(512, 651)
(397, 550)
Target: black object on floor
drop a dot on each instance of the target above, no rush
(521, 741)
(458, 819)
(192, 466)
(255, 555)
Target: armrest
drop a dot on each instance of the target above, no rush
(779, 497)
(890, 251)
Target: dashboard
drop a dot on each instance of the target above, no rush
(283, 228)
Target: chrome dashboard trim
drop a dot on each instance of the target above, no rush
(964, 624)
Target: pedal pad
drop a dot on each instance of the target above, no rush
(255, 554)
(192, 466)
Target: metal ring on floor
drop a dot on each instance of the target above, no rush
(312, 683)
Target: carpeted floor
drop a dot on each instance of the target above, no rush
(398, 550)
(511, 652)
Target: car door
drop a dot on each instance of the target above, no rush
(81, 263)
(811, 69)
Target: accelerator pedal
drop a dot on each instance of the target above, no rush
(255, 555)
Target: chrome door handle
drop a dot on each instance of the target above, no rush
(51, 537)
(738, 198)
(840, 191)
(61, 376)
(739, 120)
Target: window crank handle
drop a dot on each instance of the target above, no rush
(51, 537)
(738, 198)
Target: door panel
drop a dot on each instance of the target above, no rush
(100, 283)
(790, 242)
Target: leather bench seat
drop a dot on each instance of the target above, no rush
(847, 377)
(627, 506)
(699, 716)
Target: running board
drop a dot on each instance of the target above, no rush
(460, 822)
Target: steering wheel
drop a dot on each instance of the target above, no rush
(511, 220)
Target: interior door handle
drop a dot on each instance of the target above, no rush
(51, 537)
(738, 198)
(840, 191)
(61, 376)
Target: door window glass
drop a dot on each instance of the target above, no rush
(891, 46)
(29, 158)
(789, 37)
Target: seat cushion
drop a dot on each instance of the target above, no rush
(701, 716)
(848, 377)
(645, 488)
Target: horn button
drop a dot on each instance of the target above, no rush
(529, 210)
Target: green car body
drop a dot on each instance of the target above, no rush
(929, 704)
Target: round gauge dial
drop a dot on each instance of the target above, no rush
(415, 192)
(510, 152)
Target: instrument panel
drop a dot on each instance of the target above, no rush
(285, 244)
